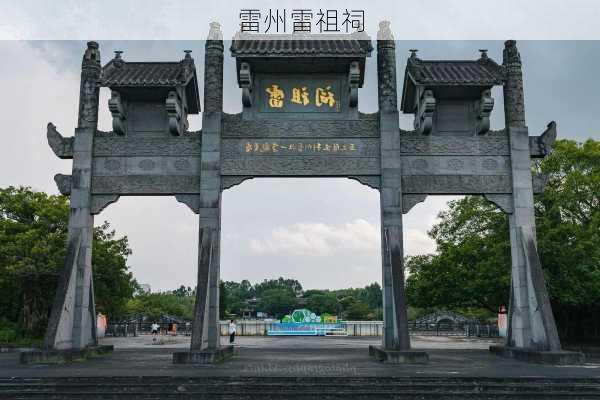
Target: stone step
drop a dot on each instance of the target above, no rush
(315, 394)
(331, 387)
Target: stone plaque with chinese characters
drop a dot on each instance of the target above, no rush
(299, 96)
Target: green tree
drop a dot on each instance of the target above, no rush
(358, 311)
(472, 264)
(277, 302)
(33, 233)
(321, 301)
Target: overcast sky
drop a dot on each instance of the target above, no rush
(323, 232)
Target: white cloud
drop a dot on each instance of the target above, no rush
(319, 239)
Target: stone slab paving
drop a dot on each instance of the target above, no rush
(298, 356)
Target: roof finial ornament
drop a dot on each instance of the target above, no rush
(385, 33)
(215, 31)
(118, 54)
(188, 54)
(413, 53)
(484, 54)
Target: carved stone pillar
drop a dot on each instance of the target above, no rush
(205, 334)
(395, 329)
(72, 323)
(530, 321)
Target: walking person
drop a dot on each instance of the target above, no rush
(154, 331)
(232, 329)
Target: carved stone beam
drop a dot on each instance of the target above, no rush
(174, 113)
(486, 105)
(353, 82)
(424, 117)
(541, 146)
(61, 146)
(246, 84)
(118, 111)
(63, 182)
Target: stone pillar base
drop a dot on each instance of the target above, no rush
(398, 356)
(206, 356)
(63, 356)
(540, 357)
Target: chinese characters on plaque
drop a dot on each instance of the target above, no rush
(301, 20)
(295, 96)
(300, 147)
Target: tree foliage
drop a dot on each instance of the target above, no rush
(472, 265)
(33, 235)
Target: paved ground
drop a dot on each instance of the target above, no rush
(294, 342)
(298, 356)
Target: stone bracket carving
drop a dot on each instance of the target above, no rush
(539, 182)
(411, 200)
(190, 200)
(100, 202)
(119, 114)
(63, 182)
(245, 81)
(424, 117)
(353, 83)
(61, 146)
(175, 114)
(372, 181)
(503, 201)
(231, 181)
(541, 146)
(485, 106)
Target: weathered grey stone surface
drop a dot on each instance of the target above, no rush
(451, 151)
(531, 323)
(72, 324)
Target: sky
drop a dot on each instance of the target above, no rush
(323, 232)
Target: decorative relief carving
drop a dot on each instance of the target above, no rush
(245, 80)
(424, 117)
(455, 164)
(485, 105)
(100, 202)
(146, 184)
(177, 119)
(147, 165)
(190, 200)
(231, 181)
(541, 146)
(118, 110)
(112, 164)
(111, 146)
(456, 184)
(490, 144)
(490, 164)
(307, 165)
(411, 200)
(63, 182)
(374, 182)
(235, 127)
(61, 146)
(182, 164)
(353, 83)
(503, 201)
(419, 164)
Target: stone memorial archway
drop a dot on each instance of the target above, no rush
(300, 118)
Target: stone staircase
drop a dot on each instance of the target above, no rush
(298, 388)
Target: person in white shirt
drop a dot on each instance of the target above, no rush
(155, 328)
(232, 329)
